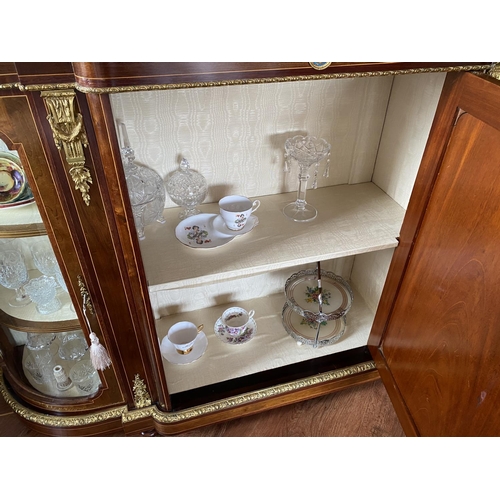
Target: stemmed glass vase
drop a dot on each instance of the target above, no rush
(306, 151)
(14, 275)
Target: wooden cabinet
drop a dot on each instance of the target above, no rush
(231, 121)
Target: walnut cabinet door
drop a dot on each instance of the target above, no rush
(436, 337)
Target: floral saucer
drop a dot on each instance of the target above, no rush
(247, 335)
(198, 231)
(169, 352)
(220, 227)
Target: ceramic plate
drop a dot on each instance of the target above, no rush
(301, 291)
(14, 188)
(12, 178)
(247, 335)
(198, 231)
(220, 227)
(304, 331)
(169, 352)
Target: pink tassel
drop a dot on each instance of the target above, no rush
(98, 354)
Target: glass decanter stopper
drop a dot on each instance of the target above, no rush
(186, 188)
(146, 191)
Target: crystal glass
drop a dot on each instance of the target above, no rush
(146, 191)
(39, 357)
(73, 346)
(14, 275)
(44, 258)
(40, 341)
(85, 376)
(187, 189)
(42, 291)
(306, 151)
(39, 372)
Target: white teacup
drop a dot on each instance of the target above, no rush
(183, 335)
(235, 320)
(235, 211)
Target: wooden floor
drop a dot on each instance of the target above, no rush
(363, 411)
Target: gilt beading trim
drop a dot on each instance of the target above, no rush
(179, 416)
(494, 71)
(322, 76)
(244, 399)
(170, 86)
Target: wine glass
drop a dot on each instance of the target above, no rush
(14, 275)
(44, 258)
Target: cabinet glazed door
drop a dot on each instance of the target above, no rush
(436, 336)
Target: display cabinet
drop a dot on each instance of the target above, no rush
(230, 121)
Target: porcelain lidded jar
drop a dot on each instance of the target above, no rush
(146, 191)
(186, 188)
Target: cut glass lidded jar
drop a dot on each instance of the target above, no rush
(186, 188)
(146, 191)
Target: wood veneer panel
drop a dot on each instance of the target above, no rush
(440, 349)
(37, 73)
(8, 73)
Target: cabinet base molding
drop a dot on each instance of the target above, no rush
(199, 415)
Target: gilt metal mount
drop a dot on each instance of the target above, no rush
(69, 134)
(142, 398)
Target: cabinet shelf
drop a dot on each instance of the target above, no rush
(28, 319)
(22, 221)
(352, 219)
(271, 347)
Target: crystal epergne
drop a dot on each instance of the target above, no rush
(186, 188)
(14, 275)
(306, 151)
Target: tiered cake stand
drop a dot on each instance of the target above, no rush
(302, 316)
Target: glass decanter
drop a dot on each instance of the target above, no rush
(146, 192)
(186, 188)
(306, 152)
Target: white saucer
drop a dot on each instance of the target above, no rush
(221, 227)
(169, 352)
(198, 231)
(248, 335)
